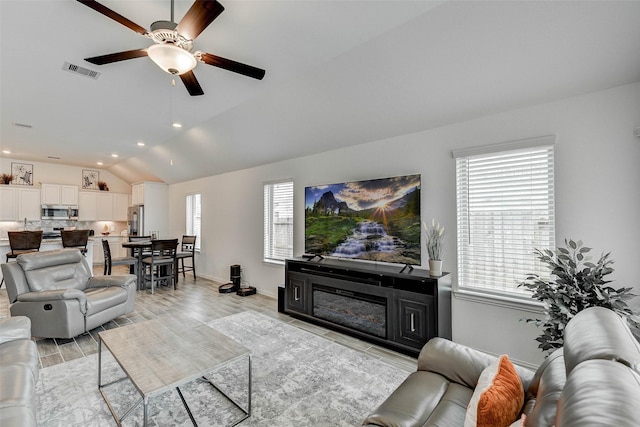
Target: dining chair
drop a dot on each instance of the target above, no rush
(161, 264)
(187, 250)
(75, 239)
(139, 239)
(22, 242)
(109, 261)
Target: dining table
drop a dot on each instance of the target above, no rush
(137, 248)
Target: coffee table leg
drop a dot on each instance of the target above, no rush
(146, 412)
(99, 362)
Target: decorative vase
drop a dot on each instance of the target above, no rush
(435, 267)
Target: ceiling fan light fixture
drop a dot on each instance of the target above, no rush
(172, 59)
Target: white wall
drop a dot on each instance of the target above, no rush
(52, 173)
(597, 198)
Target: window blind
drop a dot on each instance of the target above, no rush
(194, 217)
(278, 221)
(505, 204)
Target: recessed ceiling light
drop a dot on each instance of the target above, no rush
(6, 151)
(114, 155)
(140, 144)
(53, 157)
(100, 163)
(177, 125)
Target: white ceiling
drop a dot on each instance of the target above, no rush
(339, 73)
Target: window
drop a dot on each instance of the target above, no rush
(193, 217)
(278, 221)
(505, 203)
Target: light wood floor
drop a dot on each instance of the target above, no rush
(199, 299)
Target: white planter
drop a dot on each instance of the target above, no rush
(435, 268)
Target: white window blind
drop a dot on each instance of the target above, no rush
(505, 203)
(194, 217)
(278, 221)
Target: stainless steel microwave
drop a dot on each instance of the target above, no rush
(59, 212)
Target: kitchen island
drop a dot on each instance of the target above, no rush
(48, 245)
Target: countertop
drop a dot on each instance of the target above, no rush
(96, 238)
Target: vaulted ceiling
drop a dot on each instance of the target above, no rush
(338, 73)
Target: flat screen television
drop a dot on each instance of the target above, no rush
(376, 220)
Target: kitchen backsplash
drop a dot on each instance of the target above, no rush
(49, 225)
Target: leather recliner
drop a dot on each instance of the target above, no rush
(57, 291)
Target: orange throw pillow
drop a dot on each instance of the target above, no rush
(498, 397)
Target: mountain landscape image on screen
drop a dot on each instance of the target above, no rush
(377, 220)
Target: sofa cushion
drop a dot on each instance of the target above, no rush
(61, 269)
(599, 333)
(101, 299)
(541, 398)
(498, 397)
(21, 352)
(600, 393)
(412, 402)
(21, 391)
(17, 416)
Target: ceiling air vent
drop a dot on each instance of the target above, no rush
(81, 70)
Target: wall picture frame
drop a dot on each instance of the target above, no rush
(22, 173)
(90, 179)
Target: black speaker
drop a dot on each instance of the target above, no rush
(281, 294)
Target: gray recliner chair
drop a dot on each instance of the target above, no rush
(57, 291)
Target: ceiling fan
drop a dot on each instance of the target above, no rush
(173, 43)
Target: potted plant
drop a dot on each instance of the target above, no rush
(6, 178)
(435, 236)
(574, 285)
(103, 186)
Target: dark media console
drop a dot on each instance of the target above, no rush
(379, 303)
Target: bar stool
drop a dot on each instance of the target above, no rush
(22, 242)
(75, 239)
(187, 250)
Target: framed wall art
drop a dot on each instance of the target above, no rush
(90, 179)
(22, 173)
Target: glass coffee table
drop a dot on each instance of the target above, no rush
(168, 352)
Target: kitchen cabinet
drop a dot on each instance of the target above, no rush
(102, 206)
(120, 206)
(137, 194)
(16, 204)
(57, 194)
(87, 206)
(105, 206)
(8, 203)
(29, 204)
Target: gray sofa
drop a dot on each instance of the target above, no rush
(18, 373)
(57, 291)
(594, 380)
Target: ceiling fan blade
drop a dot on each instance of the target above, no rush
(191, 83)
(198, 17)
(236, 67)
(114, 15)
(118, 56)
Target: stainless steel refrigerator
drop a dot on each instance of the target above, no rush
(135, 220)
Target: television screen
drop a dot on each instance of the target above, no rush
(377, 220)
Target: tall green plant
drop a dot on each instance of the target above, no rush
(575, 284)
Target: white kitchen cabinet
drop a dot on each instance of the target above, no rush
(120, 206)
(8, 203)
(137, 194)
(102, 206)
(57, 194)
(105, 206)
(29, 204)
(87, 206)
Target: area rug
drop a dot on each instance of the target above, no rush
(298, 379)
